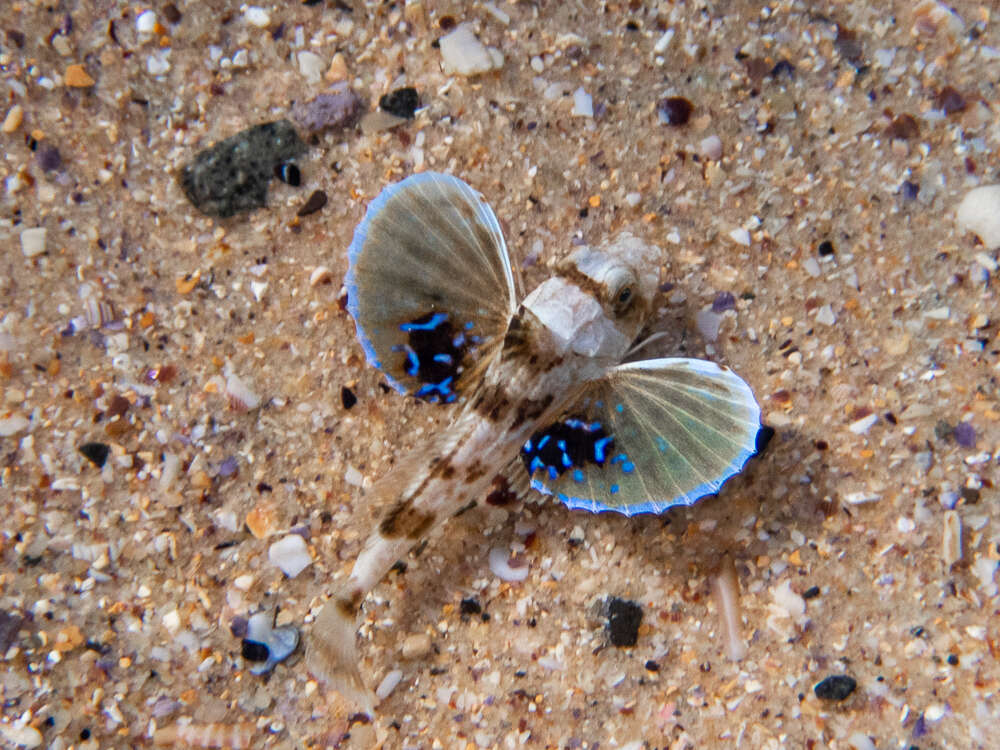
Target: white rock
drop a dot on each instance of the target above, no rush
(462, 53)
(388, 684)
(825, 316)
(157, 64)
(145, 23)
(859, 741)
(290, 554)
(12, 425)
(312, 66)
(633, 199)
(33, 241)
(22, 735)
(979, 212)
(861, 426)
(583, 103)
(663, 42)
(710, 147)
(256, 16)
(811, 266)
(740, 236)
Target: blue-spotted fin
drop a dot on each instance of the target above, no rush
(537, 388)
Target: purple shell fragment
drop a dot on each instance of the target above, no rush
(723, 301)
(335, 109)
(965, 435)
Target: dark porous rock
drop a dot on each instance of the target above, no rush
(231, 177)
(48, 158)
(624, 618)
(338, 108)
(836, 687)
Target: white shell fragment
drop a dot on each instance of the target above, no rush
(33, 241)
(951, 538)
(240, 396)
(979, 213)
(583, 103)
(726, 589)
(290, 554)
(462, 53)
(501, 567)
(257, 16)
(280, 642)
(388, 684)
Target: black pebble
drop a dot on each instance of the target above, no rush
(96, 453)
(255, 650)
(909, 190)
(675, 110)
(836, 687)
(652, 666)
(401, 102)
(171, 13)
(624, 618)
(811, 593)
(231, 177)
(825, 248)
(314, 203)
(783, 67)
(347, 397)
(288, 174)
(470, 606)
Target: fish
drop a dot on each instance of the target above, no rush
(536, 387)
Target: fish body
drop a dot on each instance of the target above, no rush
(538, 389)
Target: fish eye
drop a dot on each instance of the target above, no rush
(623, 296)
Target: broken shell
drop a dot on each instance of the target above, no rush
(241, 398)
(97, 312)
(235, 735)
(319, 276)
(266, 645)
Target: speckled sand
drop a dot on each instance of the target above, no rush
(864, 319)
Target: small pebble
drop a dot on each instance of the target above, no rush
(77, 77)
(859, 741)
(723, 301)
(710, 148)
(903, 127)
(825, 249)
(949, 101)
(861, 426)
(470, 606)
(951, 538)
(583, 103)
(33, 241)
(314, 203)
(96, 453)
(708, 323)
(267, 645)
(145, 22)
(290, 554)
(13, 120)
(388, 684)
(48, 158)
(256, 16)
(624, 618)
(826, 316)
(401, 102)
(338, 108)
(674, 110)
(347, 397)
(740, 236)
(463, 54)
(836, 687)
(171, 13)
(965, 434)
(979, 213)
(416, 646)
(311, 66)
(499, 561)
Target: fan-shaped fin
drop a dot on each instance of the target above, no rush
(647, 436)
(430, 285)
